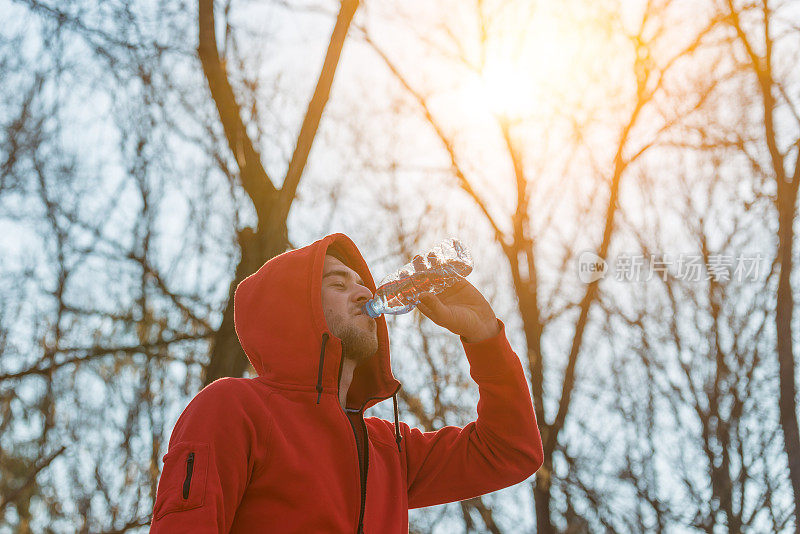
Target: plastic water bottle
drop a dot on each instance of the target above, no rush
(400, 292)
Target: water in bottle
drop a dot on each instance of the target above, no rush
(428, 274)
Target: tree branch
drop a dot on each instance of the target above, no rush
(254, 178)
(316, 106)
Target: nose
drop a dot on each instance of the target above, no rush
(361, 294)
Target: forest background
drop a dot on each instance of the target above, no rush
(625, 172)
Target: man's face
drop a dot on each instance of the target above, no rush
(343, 295)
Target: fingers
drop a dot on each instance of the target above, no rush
(429, 305)
(424, 304)
(455, 288)
(423, 309)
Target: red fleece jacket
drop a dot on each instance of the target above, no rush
(277, 453)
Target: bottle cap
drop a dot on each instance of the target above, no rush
(369, 310)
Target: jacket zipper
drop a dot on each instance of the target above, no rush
(187, 483)
(364, 475)
(361, 476)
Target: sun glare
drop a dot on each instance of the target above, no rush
(505, 89)
(530, 71)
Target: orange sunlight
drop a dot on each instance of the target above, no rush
(535, 67)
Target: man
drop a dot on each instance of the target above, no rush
(291, 451)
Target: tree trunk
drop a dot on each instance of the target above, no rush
(787, 204)
(271, 205)
(542, 497)
(227, 356)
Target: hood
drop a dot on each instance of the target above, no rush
(281, 326)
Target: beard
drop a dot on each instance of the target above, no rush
(358, 343)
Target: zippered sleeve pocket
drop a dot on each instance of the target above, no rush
(182, 485)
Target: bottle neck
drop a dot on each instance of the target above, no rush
(369, 310)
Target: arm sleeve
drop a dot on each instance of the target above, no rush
(209, 461)
(501, 448)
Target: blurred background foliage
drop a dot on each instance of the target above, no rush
(152, 154)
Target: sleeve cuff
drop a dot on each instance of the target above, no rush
(491, 357)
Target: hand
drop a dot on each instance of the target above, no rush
(463, 310)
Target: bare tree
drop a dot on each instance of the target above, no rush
(761, 31)
(131, 204)
(689, 386)
(518, 237)
(95, 313)
(271, 203)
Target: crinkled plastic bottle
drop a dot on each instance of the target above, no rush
(428, 274)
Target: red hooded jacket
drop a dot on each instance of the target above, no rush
(277, 453)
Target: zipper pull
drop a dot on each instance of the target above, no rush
(187, 483)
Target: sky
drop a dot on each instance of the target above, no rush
(560, 67)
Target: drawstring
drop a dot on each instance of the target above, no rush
(397, 436)
(321, 361)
